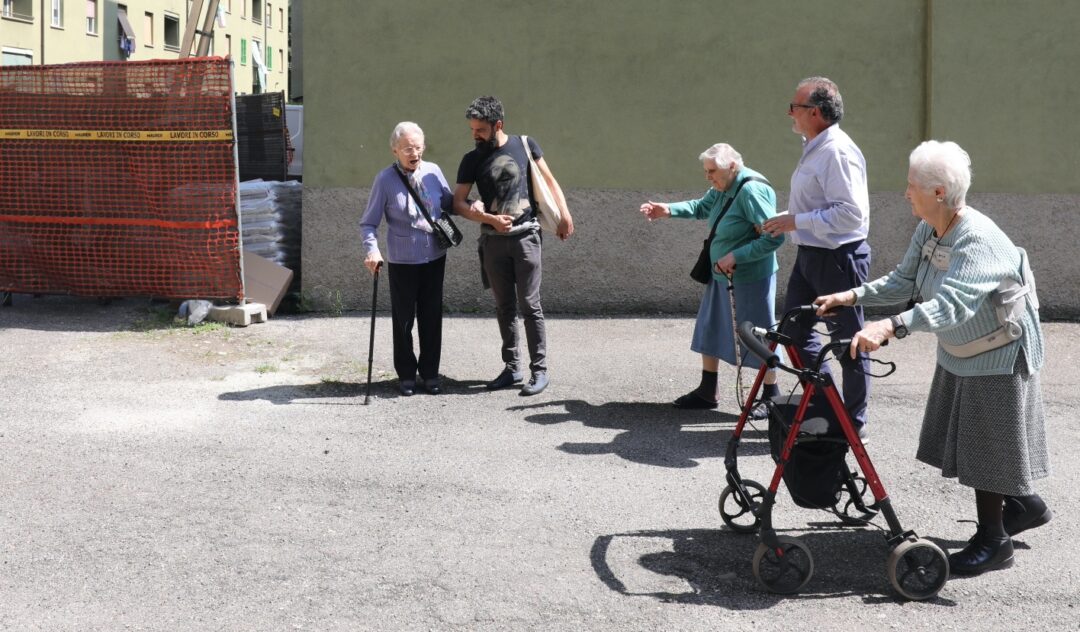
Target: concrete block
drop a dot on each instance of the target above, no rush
(239, 315)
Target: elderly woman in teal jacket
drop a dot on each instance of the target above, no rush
(968, 284)
(739, 251)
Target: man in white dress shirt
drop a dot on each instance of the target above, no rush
(828, 218)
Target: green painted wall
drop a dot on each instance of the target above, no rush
(1006, 87)
(624, 95)
(621, 95)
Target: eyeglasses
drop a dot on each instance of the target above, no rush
(791, 107)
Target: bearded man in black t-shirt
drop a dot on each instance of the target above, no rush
(510, 240)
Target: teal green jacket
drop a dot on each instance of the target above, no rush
(755, 255)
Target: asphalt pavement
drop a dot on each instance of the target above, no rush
(164, 478)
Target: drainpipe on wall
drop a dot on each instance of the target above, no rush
(42, 56)
(928, 73)
(266, 44)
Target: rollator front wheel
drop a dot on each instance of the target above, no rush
(918, 569)
(736, 511)
(786, 570)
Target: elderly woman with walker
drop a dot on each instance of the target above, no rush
(743, 260)
(967, 283)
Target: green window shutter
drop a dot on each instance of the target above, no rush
(269, 58)
(243, 51)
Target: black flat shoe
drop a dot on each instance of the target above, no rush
(693, 401)
(1024, 512)
(431, 387)
(983, 553)
(505, 379)
(406, 387)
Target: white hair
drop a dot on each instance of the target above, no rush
(723, 155)
(945, 164)
(403, 128)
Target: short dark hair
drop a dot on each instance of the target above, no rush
(826, 97)
(488, 109)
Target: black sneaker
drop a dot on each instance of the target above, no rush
(536, 385)
(504, 379)
(759, 412)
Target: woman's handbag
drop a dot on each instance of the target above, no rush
(446, 232)
(547, 210)
(702, 271)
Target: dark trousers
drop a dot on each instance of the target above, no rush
(820, 271)
(416, 294)
(513, 267)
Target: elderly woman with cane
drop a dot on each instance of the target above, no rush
(967, 283)
(416, 260)
(737, 203)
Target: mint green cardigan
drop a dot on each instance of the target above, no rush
(958, 308)
(755, 255)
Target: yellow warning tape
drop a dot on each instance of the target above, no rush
(116, 135)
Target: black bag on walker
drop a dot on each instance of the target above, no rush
(815, 471)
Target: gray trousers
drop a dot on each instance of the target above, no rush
(513, 267)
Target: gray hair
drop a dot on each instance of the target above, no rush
(403, 128)
(945, 164)
(723, 155)
(825, 97)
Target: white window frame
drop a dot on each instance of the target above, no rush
(10, 10)
(148, 38)
(22, 52)
(58, 14)
(165, 32)
(92, 22)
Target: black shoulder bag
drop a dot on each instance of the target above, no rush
(702, 272)
(445, 230)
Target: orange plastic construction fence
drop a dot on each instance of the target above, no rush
(118, 179)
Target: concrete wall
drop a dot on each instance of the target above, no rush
(624, 100)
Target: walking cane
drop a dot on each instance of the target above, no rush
(371, 336)
(738, 348)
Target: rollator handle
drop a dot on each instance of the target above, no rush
(748, 335)
(794, 313)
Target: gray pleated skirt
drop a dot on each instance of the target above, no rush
(987, 431)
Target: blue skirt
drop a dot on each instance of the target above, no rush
(713, 334)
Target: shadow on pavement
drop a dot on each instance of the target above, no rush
(653, 433)
(383, 389)
(714, 567)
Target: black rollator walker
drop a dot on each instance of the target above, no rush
(809, 437)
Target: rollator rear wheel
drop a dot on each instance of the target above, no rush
(918, 569)
(735, 510)
(785, 573)
(851, 515)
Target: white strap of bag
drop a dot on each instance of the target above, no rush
(1009, 309)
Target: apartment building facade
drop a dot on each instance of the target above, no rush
(255, 33)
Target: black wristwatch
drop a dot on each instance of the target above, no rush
(898, 327)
